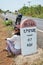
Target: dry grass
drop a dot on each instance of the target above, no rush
(34, 59)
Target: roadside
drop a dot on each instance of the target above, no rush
(34, 59)
(4, 60)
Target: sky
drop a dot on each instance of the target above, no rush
(13, 5)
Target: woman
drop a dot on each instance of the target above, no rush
(14, 43)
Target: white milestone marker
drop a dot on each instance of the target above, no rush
(28, 37)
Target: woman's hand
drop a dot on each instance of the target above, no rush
(6, 39)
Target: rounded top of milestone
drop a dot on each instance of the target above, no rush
(27, 23)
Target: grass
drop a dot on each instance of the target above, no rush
(38, 16)
(8, 22)
(9, 28)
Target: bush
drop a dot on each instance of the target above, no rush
(40, 16)
(8, 22)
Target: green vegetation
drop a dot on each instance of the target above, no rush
(9, 27)
(1, 11)
(8, 22)
(34, 11)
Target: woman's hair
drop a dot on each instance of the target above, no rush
(17, 33)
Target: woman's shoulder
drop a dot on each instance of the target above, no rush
(16, 36)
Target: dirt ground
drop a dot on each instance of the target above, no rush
(4, 60)
(35, 59)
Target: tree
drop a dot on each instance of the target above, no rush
(1, 11)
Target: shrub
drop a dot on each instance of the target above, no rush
(8, 22)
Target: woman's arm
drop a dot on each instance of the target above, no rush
(13, 38)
